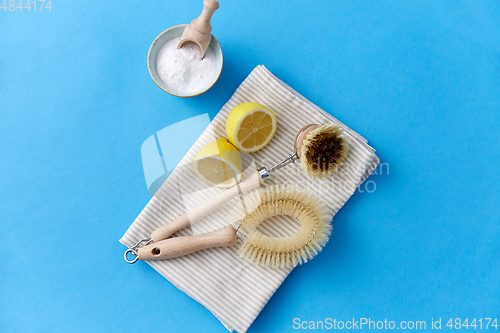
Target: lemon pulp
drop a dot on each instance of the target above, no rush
(250, 126)
(219, 164)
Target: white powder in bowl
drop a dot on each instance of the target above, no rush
(182, 69)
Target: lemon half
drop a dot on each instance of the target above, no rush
(250, 126)
(219, 164)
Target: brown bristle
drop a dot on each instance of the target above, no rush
(323, 150)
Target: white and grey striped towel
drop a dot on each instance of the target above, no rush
(234, 290)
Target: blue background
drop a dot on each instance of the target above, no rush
(419, 79)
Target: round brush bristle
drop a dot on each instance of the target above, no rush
(284, 252)
(323, 151)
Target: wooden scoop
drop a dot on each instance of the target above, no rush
(199, 31)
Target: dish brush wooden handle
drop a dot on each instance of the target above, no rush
(206, 208)
(181, 246)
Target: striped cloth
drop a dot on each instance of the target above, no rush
(234, 290)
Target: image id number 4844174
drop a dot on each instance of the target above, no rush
(26, 5)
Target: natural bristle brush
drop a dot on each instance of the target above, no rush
(321, 149)
(263, 250)
(292, 250)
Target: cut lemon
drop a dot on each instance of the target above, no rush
(219, 164)
(250, 126)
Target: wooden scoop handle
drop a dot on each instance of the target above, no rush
(206, 208)
(202, 23)
(181, 246)
(198, 31)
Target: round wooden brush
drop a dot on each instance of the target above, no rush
(260, 249)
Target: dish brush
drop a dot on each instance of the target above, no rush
(258, 248)
(321, 150)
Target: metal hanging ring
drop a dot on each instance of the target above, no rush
(134, 253)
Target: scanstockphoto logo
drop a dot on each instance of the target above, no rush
(368, 324)
(362, 324)
(346, 179)
(370, 185)
(160, 157)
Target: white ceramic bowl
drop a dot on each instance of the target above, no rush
(165, 36)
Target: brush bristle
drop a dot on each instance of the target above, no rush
(290, 251)
(323, 151)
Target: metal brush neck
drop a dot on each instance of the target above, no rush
(290, 159)
(265, 173)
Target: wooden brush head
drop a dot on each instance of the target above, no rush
(302, 135)
(322, 149)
